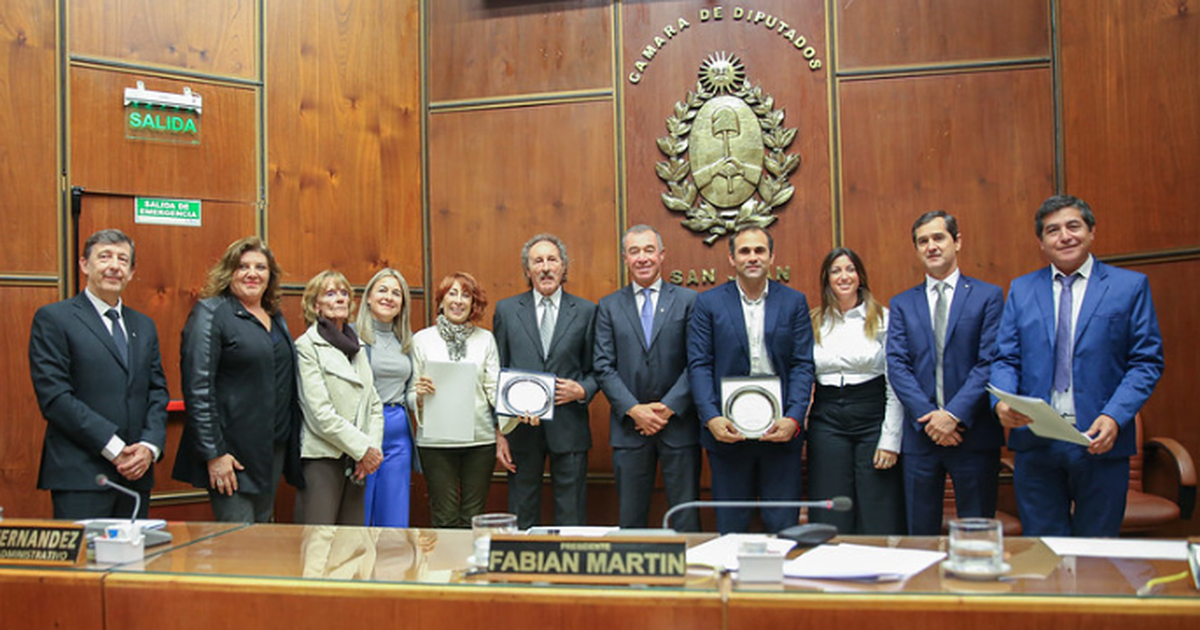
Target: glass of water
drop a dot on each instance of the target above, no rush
(483, 527)
(976, 548)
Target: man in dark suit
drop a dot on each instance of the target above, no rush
(641, 363)
(948, 422)
(548, 330)
(752, 326)
(99, 381)
(1084, 337)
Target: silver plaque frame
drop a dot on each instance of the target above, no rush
(752, 403)
(525, 393)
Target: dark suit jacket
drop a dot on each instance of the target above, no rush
(970, 347)
(515, 326)
(87, 394)
(718, 347)
(630, 373)
(1118, 350)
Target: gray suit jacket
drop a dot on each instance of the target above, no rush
(87, 394)
(515, 326)
(631, 373)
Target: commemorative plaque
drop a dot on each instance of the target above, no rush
(751, 403)
(524, 393)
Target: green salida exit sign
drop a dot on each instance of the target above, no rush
(156, 211)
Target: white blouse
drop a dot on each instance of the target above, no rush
(428, 345)
(846, 356)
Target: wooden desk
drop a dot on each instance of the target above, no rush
(290, 576)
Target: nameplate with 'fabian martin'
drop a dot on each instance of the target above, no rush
(45, 543)
(588, 559)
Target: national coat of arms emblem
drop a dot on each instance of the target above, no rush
(726, 165)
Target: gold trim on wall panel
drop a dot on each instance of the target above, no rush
(837, 233)
(992, 65)
(20, 280)
(522, 100)
(618, 52)
(426, 212)
(64, 196)
(1060, 153)
(263, 219)
(1153, 257)
(166, 72)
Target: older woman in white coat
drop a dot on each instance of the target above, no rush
(341, 440)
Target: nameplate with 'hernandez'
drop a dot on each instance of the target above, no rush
(588, 559)
(45, 543)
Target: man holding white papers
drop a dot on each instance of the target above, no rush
(1083, 336)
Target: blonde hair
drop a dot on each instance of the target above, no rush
(401, 325)
(316, 286)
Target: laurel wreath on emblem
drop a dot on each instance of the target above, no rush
(724, 74)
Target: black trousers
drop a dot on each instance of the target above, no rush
(843, 433)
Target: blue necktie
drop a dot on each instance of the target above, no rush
(118, 334)
(1062, 336)
(647, 314)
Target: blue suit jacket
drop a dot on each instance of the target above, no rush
(718, 347)
(1117, 355)
(625, 367)
(970, 347)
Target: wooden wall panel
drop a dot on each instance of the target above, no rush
(22, 432)
(165, 284)
(1131, 124)
(498, 177)
(1171, 411)
(221, 167)
(344, 137)
(979, 146)
(921, 32)
(28, 146)
(215, 36)
(803, 230)
(488, 48)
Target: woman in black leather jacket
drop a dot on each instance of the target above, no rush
(238, 369)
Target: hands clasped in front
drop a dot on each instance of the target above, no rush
(722, 428)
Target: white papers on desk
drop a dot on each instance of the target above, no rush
(1118, 548)
(449, 413)
(723, 552)
(1047, 422)
(860, 562)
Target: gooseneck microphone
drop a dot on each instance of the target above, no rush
(837, 504)
(103, 480)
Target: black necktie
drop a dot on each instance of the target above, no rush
(118, 334)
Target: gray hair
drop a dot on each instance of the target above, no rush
(553, 240)
(641, 228)
(111, 236)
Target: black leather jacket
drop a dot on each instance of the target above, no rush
(227, 368)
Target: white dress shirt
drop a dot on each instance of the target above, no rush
(846, 356)
(931, 293)
(755, 314)
(655, 291)
(1064, 402)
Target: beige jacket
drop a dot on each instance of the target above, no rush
(342, 412)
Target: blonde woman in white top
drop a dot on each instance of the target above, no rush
(854, 425)
(458, 472)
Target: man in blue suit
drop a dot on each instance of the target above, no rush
(1083, 336)
(641, 364)
(752, 326)
(99, 381)
(941, 341)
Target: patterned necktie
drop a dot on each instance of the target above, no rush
(940, 312)
(1062, 335)
(546, 326)
(118, 334)
(647, 314)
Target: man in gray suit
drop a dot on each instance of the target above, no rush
(548, 330)
(641, 363)
(99, 381)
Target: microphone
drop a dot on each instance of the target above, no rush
(103, 480)
(837, 504)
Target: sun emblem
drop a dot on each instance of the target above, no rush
(726, 165)
(722, 72)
